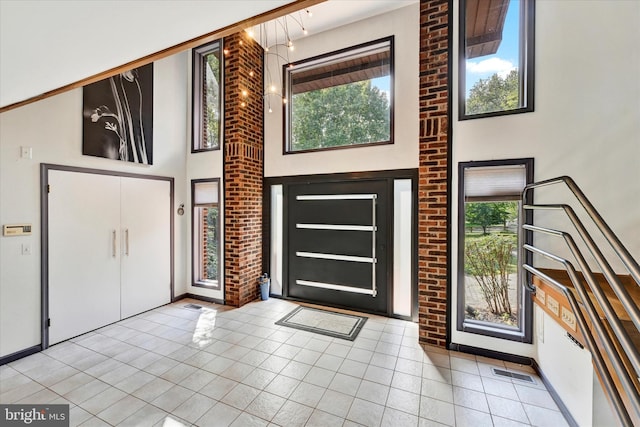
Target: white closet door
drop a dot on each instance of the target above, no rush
(84, 260)
(146, 250)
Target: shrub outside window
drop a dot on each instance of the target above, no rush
(207, 97)
(491, 299)
(496, 57)
(206, 233)
(342, 99)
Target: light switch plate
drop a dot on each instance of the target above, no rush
(26, 152)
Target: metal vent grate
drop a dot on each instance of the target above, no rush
(514, 375)
(193, 306)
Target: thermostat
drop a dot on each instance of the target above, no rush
(16, 230)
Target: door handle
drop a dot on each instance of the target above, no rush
(126, 241)
(113, 243)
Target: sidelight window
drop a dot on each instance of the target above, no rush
(206, 233)
(207, 97)
(491, 300)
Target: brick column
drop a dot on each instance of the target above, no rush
(243, 168)
(432, 175)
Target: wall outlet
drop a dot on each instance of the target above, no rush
(553, 305)
(569, 318)
(26, 249)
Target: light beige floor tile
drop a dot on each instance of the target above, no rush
(365, 412)
(324, 419)
(437, 390)
(335, 403)
(353, 368)
(147, 416)
(265, 405)
(395, 418)
(437, 410)
(319, 376)
(198, 379)
(194, 407)
(378, 375)
(542, 417)
(218, 388)
(77, 416)
(406, 382)
(86, 391)
(404, 401)
(172, 398)
(241, 396)
(345, 384)
(220, 415)
(248, 420)
(152, 389)
(282, 386)
(122, 409)
(292, 414)
(534, 396)
(259, 378)
(466, 417)
(103, 400)
(507, 408)
(373, 392)
(134, 381)
(470, 399)
(307, 394)
(468, 381)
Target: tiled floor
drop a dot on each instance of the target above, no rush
(217, 366)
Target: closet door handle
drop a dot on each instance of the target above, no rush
(113, 243)
(126, 241)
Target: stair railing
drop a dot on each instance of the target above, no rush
(620, 335)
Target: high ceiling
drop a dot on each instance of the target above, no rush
(45, 45)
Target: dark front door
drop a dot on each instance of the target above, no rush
(338, 243)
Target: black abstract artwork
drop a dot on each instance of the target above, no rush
(117, 119)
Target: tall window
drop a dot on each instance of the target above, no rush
(207, 97)
(496, 57)
(491, 300)
(342, 99)
(206, 233)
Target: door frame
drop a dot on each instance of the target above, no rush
(44, 232)
(389, 176)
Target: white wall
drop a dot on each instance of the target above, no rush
(53, 129)
(79, 39)
(201, 165)
(586, 121)
(404, 24)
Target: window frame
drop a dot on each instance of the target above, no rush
(198, 55)
(526, 62)
(196, 238)
(524, 333)
(326, 57)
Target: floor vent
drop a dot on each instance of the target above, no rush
(193, 306)
(514, 375)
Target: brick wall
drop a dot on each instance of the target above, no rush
(432, 175)
(243, 168)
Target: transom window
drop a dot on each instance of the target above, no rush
(342, 99)
(491, 300)
(206, 233)
(496, 57)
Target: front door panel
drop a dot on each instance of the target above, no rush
(338, 236)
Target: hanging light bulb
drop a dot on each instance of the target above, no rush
(273, 88)
(245, 93)
(251, 73)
